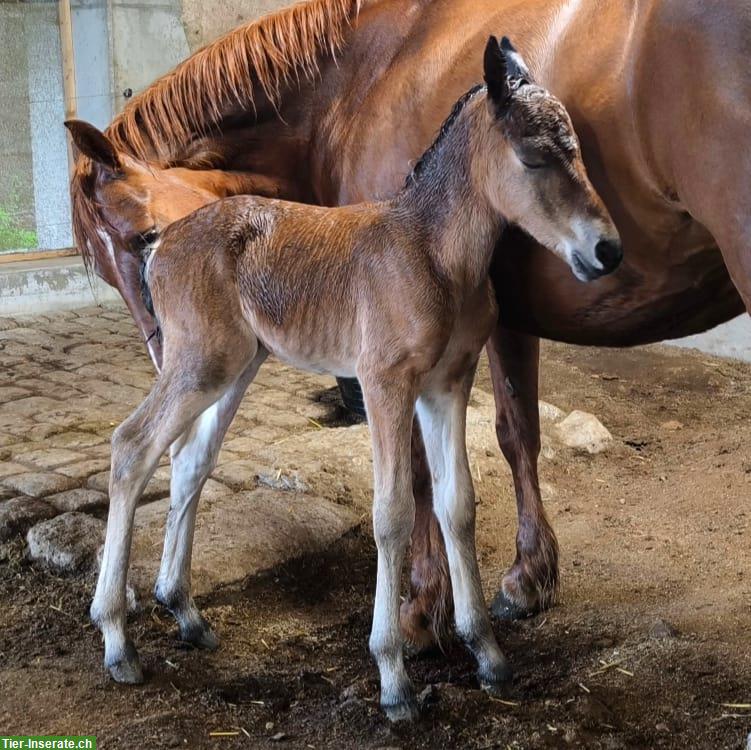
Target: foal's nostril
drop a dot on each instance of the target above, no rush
(609, 253)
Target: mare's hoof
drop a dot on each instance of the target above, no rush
(505, 608)
(200, 635)
(127, 669)
(406, 710)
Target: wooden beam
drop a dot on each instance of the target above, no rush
(69, 68)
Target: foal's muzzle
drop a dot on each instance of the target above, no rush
(608, 254)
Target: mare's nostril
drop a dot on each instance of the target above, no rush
(609, 253)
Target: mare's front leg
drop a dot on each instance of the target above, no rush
(389, 401)
(137, 446)
(194, 457)
(443, 414)
(531, 583)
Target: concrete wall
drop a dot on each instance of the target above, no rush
(206, 21)
(152, 36)
(16, 185)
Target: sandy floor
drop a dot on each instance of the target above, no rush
(657, 587)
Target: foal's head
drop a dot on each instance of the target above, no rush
(532, 169)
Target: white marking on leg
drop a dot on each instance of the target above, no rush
(194, 456)
(137, 446)
(443, 423)
(393, 519)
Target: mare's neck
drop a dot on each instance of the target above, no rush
(451, 212)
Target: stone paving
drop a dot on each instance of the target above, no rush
(69, 378)
(292, 477)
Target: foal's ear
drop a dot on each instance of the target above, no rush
(95, 144)
(496, 76)
(517, 68)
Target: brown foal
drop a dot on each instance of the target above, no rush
(395, 292)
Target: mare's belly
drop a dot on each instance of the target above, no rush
(651, 297)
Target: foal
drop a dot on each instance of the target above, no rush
(396, 293)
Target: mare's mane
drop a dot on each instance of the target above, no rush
(263, 56)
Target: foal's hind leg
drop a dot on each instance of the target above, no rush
(173, 404)
(442, 416)
(194, 456)
(390, 407)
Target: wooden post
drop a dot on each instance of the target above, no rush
(69, 68)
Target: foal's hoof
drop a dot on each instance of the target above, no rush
(200, 635)
(497, 681)
(505, 608)
(127, 669)
(406, 710)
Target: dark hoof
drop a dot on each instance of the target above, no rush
(497, 683)
(505, 609)
(201, 636)
(127, 669)
(407, 710)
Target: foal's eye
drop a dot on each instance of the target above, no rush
(534, 163)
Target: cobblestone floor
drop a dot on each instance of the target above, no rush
(70, 378)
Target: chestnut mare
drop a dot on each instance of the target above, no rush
(397, 293)
(327, 102)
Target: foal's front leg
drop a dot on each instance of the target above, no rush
(390, 407)
(442, 415)
(194, 456)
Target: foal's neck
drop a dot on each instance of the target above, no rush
(451, 214)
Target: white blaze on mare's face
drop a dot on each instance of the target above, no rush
(107, 240)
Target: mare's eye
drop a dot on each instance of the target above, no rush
(150, 237)
(142, 241)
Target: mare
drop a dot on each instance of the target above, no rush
(329, 101)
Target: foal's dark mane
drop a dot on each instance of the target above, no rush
(422, 163)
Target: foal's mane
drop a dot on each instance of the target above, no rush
(262, 56)
(422, 163)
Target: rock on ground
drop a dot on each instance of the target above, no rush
(19, 513)
(240, 534)
(583, 432)
(79, 499)
(68, 543)
(550, 413)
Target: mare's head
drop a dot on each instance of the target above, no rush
(122, 204)
(134, 201)
(533, 172)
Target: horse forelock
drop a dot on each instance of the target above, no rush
(267, 55)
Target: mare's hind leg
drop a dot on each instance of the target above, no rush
(194, 456)
(176, 399)
(442, 416)
(390, 407)
(531, 584)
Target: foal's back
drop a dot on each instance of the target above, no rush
(310, 283)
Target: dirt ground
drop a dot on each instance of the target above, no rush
(656, 583)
